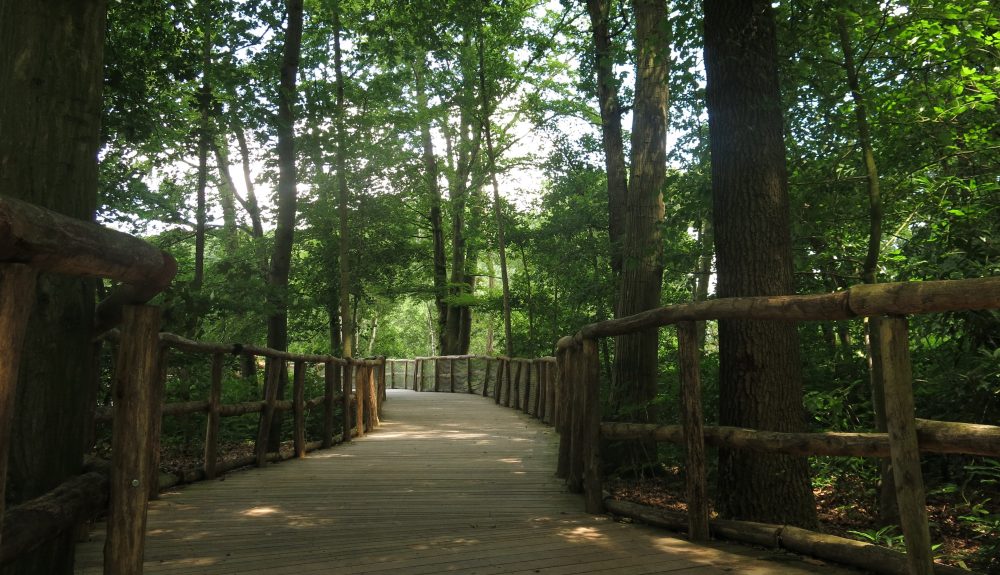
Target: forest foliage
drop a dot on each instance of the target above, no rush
(420, 81)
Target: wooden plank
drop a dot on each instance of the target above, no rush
(136, 374)
(213, 419)
(902, 429)
(344, 377)
(468, 374)
(694, 436)
(451, 373)
(17, 297)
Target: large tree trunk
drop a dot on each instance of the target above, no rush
(635, 369)
(434, 192)
(284, 233)
(611, 127)
(888, 509)
(51, 70)
(467, 150)
(760, 377)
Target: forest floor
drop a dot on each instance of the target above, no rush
(965, 527)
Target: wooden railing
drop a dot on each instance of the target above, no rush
(583, 430)
(528, 385)
(34, 240)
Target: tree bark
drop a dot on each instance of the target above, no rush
(51, 70)
(467, 151)
(611, 127)
(760, 375)
(635, 371)
(284, 233)
(434, 192)
(497, 206)
(344, 240)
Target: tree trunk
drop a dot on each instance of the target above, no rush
(760, 379)
(251, 206)
(497, 206)
(636, 366)
(227, 199)
(434, 191)
(467, 150)
(611, 127)
(346, 317)
(888, 510)
(204, 140)
(51, 70)
(284, 233)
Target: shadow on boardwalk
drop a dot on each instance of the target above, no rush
(449, 483)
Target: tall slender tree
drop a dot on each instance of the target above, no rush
(760, 375)
(284, 232)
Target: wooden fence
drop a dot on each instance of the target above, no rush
(34, 240)
(583, 430)
(528, 385)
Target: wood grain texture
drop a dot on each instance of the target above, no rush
(448, 484)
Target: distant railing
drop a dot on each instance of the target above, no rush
(528, 385)
(582, 429)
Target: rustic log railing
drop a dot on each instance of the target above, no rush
(34, 240)
(582, 429)
(528, 385)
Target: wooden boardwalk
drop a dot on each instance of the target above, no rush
(449, 483)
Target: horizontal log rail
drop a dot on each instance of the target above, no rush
(932, 436)
(33, 240)
(581, 432)
(902, 298)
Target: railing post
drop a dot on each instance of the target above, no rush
(590, 420)
(498, 386)
(565, 359)
(905, 454)
(158, 398)
(213, 419)
(371, 419)
(451, 373)
(136, 373)
(486, 376)
(551, 381)
(17, 297)
(437, 373)
(536, 368)
(391, 366)
(468, 373)
(344, 380)
(360, 383)
(299, 407)
(272, 378)
(529, 367)
(406, 373)
(329, 384)
(694, 437)
(417, 375)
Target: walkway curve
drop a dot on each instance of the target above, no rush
(449, 483)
